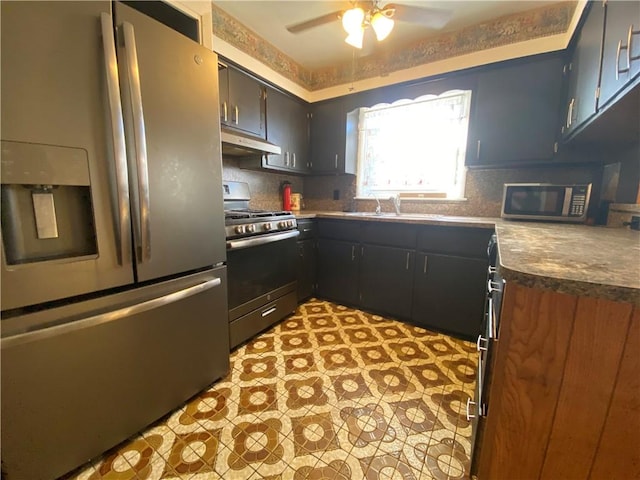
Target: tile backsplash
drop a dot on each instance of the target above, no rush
(483, 191)
(265, 186)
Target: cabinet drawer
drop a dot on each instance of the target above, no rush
(339, 230)
(390, 234)
(249, 325)
(463, 241)
(307, 228)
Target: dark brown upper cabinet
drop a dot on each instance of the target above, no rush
(516, 113)
(242, 101)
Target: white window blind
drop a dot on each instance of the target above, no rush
(414, 146)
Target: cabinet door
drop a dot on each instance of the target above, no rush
(306, 268)
(618, 68)
(338, 264)
(516, 113)
(287, 126)
(449, 294)
(584, 70)
(386, 279)
(300, 159)
(246, 103)
(223, 89)
(278, 120)
(328, 138)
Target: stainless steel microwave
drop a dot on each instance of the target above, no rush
(545, 201)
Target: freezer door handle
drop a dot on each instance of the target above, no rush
(98, 319)
(140, 140)
(117, 134)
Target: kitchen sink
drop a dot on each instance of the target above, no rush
(393, 215)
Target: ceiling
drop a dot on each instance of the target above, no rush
(324, 45)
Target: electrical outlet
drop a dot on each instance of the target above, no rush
(336, 194)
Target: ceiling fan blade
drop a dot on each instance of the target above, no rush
(314, 22)
(429, 17)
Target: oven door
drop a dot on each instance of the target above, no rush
(260, 269)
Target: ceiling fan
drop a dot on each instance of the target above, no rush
(381, 19)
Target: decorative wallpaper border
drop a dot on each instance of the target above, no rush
(235, 33)
(540, 22)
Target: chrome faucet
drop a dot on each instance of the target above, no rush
(378, 207)
(396, 202)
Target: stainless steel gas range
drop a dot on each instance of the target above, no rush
(261, 264)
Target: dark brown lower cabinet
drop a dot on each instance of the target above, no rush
(449, 293)
(338, 270)
(386, 279)
(306, 268)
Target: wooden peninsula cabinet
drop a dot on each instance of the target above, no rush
(564, 399)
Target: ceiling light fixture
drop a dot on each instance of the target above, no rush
(356, 37)
(382, 25)
(355, 20)
(353, 24)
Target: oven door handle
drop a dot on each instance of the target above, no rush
(261, 239)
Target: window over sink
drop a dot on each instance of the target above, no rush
(414, 148)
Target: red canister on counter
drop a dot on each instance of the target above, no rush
(286, 196)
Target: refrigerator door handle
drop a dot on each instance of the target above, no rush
(117, 131)
(101, 318)
(140, 139)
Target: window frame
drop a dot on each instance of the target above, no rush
(455, 191)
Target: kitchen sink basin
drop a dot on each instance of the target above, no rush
(393, 215)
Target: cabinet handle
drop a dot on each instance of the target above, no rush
(570, 112)
(294, 159)
(237, 111)
(353, 252)
(630, 57)
(407, 265)
(424, 268)
(478, 151)
(493, 287)
(469, 403)
(286, 159)
(493, 330)
(479, 347)
(336, 161)
(224, 111)
(618, 70)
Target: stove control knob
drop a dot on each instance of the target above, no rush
(282, 225)
(251, 228)
(267, 226)
(239, 229)
(290, 223)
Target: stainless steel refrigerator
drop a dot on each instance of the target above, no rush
(114, 306)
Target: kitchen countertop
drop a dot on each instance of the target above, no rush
(578, 260)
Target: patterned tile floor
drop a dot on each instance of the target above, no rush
(329, 393)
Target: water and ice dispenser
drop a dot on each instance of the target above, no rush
(47, 212)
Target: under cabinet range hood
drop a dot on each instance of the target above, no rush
(243, 145)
